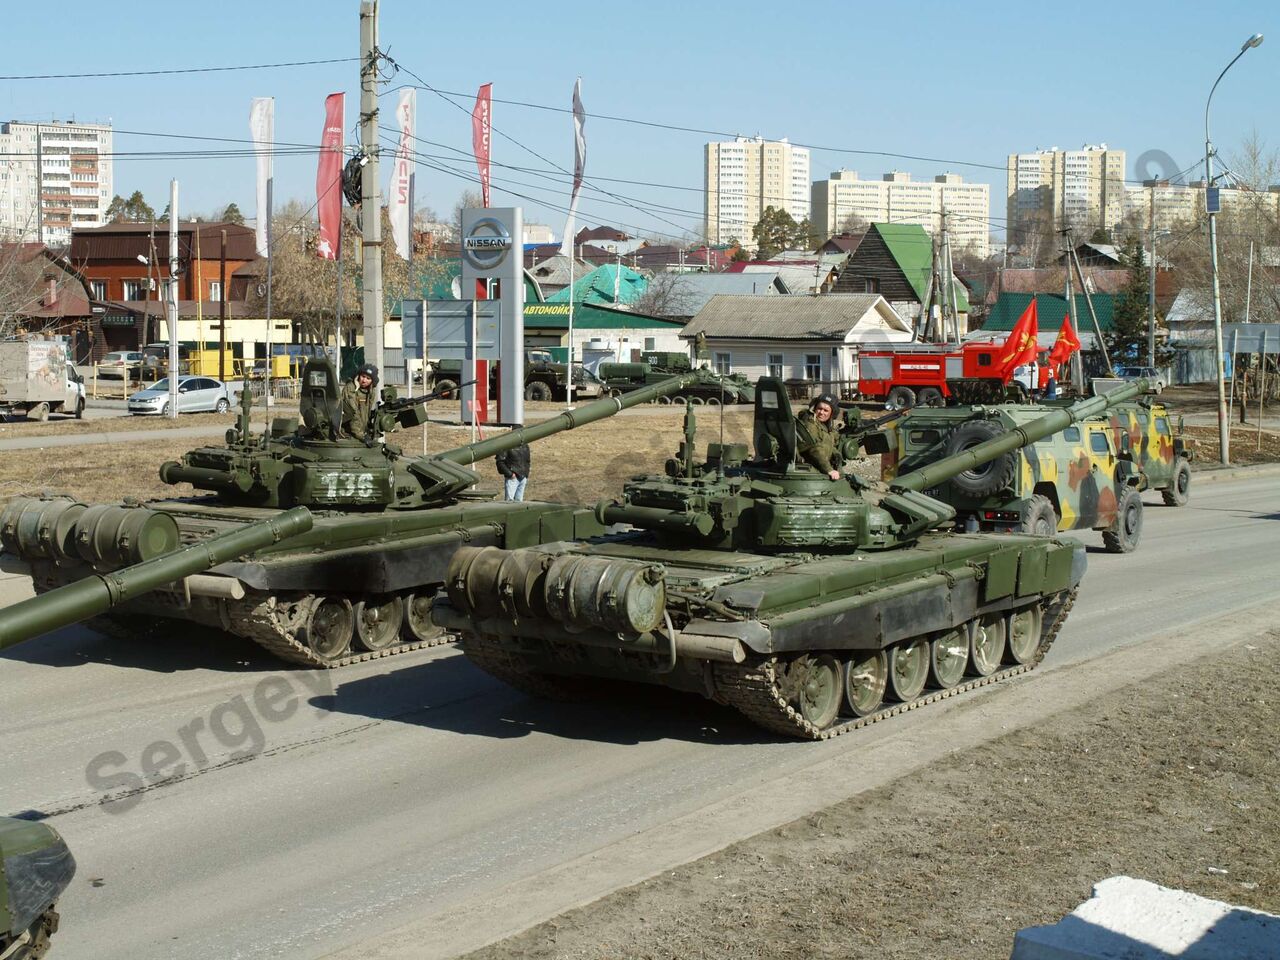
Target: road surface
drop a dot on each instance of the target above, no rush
(318, 812)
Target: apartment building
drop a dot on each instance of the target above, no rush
(744, 176)
(1170, 206)
(896, 198)
(1082, 188)
(54, 178)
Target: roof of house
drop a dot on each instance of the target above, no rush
(590, 316)
(1050, 309)
(912, 249)
(844, 243)
(535, 254)
(693, 290)
(846, 317)
(125, 241)
(600, 233)
(598, 286)
(799, 276)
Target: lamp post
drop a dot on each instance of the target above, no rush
(1211, 207)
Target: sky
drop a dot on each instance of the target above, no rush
(958, 85)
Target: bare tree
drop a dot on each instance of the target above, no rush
(665, 296)
(469, 198)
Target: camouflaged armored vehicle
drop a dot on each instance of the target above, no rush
(811, 605)
(654, 366)
(35, 868)
(1089, 476)
(351, 581)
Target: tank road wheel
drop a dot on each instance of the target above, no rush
(985, 478)
(866, 676)
(986, 645)
(813, 687)
(664, 401)
(931, 397)
(900, 398)
(1179, 490)
(908, 669)
(378, 622)
(1125, 532)
(1024, 635)
(1039, 517)
(416, 625)
(697, 401)
(329, 628)
(948, 658)
(713, 401)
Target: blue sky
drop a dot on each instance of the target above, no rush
(956, 82)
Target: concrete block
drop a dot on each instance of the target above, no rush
(1128, 919)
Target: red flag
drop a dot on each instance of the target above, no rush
(1020, 348)
(329, 180)
(1066, 344)
(481, 120)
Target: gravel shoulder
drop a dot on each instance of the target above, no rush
(1175, 780)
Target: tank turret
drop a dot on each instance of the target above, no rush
(356, 582)
(766, 585)
(35, 868)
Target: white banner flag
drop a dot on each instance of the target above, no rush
(579, 166)
(399, 192)
(262, 127)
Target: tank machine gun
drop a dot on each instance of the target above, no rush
(384, 526)
(767, 586)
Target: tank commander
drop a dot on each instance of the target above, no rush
(358, 400)
(818, 435)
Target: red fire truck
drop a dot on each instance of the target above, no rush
(910, 374)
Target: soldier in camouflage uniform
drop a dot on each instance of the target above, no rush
(358, 400)
(818, 436)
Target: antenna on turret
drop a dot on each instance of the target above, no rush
(687, 448)
(720, 459)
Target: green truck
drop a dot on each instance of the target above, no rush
(1088, 476)
(544, 377)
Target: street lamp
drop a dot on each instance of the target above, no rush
(1211, 207)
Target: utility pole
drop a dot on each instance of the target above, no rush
(171, 300)
(1151, 305)
(222, 307)
(370, 202)
(1077, 363)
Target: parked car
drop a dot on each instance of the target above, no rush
(195, 394)
(1137, 373)
(120, 364)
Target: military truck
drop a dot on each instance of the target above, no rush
(544, 377)
(1089, 476)
(655, 366)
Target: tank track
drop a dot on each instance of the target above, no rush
(507, 667)
(257, 619)
(752, 688)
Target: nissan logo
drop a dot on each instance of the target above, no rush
(487, 244)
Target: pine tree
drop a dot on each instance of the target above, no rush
(232, 214)
(1127, 339)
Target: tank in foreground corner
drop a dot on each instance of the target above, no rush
(35, 868)
(812, 606)
(356, 584)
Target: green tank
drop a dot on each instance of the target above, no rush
(812, 606)
(709, 387)
(356, 584)
(35, 868)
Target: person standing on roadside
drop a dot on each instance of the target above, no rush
(513, 464)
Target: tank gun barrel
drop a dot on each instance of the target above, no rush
(1016, 438)
(569, 420)
(97, 594)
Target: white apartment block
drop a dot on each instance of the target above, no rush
(1173, 206)
(744, 176)
(1084, 187)
(54, 177)
(896, 198)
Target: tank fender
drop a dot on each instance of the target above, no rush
(729, 638)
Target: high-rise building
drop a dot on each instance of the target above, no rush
(1047, 189)
(896, 198)
(744, 176)
(54, 177)
(1174, 206)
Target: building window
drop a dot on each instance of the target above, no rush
(98, 288)
(723, 363)
(650, 343)
(871, 285)
(215, 289)
(135, 289)
(774, 363)
(813, 366)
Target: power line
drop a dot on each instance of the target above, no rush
(161, 73)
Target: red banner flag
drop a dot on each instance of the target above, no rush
(1066, 344)
(481, 120)
(1020, 348)
(329, 180)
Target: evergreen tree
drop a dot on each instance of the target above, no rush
(1127, 339)
(232, 214)
(778, 231)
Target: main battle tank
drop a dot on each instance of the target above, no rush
(767, 586)
(363, 574)
(35, 868)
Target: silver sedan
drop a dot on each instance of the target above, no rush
(195, 395)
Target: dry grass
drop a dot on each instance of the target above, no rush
(1247, 445)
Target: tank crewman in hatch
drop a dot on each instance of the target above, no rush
(357, 401)
(818, 435)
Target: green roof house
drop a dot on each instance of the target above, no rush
(895, 260)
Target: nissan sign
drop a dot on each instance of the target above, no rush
(487, 245)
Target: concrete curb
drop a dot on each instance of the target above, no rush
(1218, 474)
(971, 721)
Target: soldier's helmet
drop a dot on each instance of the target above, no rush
(369, 370)
(827, 398)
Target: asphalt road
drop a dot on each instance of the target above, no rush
(316, 817)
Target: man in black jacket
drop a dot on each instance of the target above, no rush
(513, 464)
